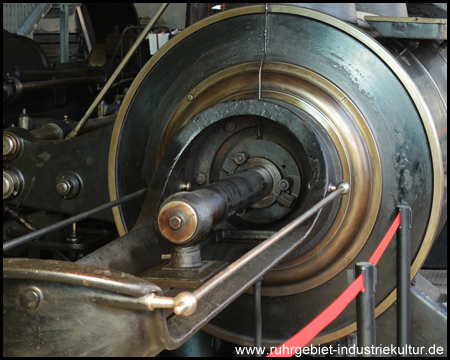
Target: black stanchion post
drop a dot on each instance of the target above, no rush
(258, 316)
(365, 308)
(404, 278)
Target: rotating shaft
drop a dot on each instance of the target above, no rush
(187, 217)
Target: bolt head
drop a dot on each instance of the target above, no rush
(240, 158)
(9, 146)
(229, 126)
(200, 179)
(63, 187)
(283, 185)
(10, 184)
(175, 222)
(31, 298)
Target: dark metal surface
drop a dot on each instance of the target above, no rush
(42, 163)
(73, 310)
(36, 234)
(404, 278)
(365, 307)
(77, 274)
(428, 322)
(427, 65)
(258, 314)
(178, 111)
(21, 51)
(345, 61)
(53, 275)
(18, 216)
(64, 89)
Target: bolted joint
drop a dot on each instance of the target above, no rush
(68, 185)
(176, 222)
(200, 179)
(284, 184)
(240, 158)
(12, 183)
(11, 146)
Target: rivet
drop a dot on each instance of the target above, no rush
(229, 126)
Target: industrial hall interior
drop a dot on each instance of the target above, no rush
(225, 179)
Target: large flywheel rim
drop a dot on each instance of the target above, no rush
(404, 79)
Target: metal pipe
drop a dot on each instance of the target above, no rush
(13, 87)
(404, 279)
(214, 282)
(64, 33)
(189, 216)
(258, 316)
(44, 84)
(365, 308)
(59, 225)
(119, 68)
(54, 130)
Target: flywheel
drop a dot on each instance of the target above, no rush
(314, 101)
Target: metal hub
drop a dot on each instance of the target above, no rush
(282, 167)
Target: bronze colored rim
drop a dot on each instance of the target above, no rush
(384, 55)
(354, 143)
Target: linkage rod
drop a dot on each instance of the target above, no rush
(59, 225)
(210, 285)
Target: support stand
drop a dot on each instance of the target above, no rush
(404, 278)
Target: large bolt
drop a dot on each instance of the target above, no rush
(175, 222)
(11, 184)
(10, 146)
(68, 186)
(240, 158)
(63, 187)
(200, 179)
(31, 298)
(283, 185)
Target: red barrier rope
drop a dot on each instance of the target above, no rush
(304, 336)
(385, 242)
